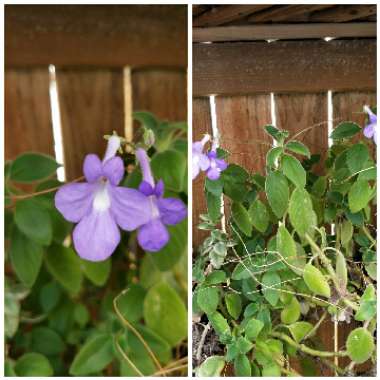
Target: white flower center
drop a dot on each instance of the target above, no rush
(102, 200)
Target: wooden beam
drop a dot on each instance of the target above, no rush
(226, 13)
(284, 31)
(343, 13)
(282, 13)
(96, 35)
(291, 66)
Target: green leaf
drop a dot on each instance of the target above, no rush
(341, 271)
(30, 167)
(49, 296)
(316, 281)
(147, 119)
(234, 304)
(34, 221)
(94, 355)
(301, 213)
(319, 186)
(367, 308)
(271, 370)
(46, 341)
(277, 190)
(253, 328)
(33, 364)
(273, 155)
(208, 299)
(170, 255)
(211, 367)
(215, 277)
(165, 313)
(277, 134)
(345, 130)
(96, 272)
(300, 330)
(259, 215)
(242, 366)
(241, 218)
(64, 266)
(291, 312)
(346, 232)
(234, 179)
(357, 157)
(220, 324)
(81, 315)
(360, 345)
(130, 303)
(214, 187)
(243, 345)
(293, 169)
(214, 204)
(359, 195)
(298, 147)
(170, 166)
(271, 280)
(26, 257)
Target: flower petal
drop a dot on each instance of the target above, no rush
(146, 188)
(196, 169)
(204, 162)
(143, 159)
(130, 208)
(172, 210)
(113, 169)
(96, 236)
(74, 200)
(369, 131)
(112, 147)
(221, 164)
(213, 174)
(159, 189)
(153, 236)
(92, 168)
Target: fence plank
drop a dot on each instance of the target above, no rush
(27, 112)
(284, 66)
(240, 121)
(91, 105)
(295, 112)
(201, 125)
(162, 92)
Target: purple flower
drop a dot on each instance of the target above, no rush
(153, 234)
(217, 165)
(370, 128)
(99, 206)
(200, 159)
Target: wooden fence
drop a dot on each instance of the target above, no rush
(109, 61)
(297, 75)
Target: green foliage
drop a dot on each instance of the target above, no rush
(278, 269)
(66, 316)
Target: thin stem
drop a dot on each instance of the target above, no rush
(306, 349)
(126, 358)
(165, 371)
(369, 236)
(202, 341)
(138, 335)
(316, 326)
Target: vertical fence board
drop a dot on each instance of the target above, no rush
(162, 92)
(349, 106)
(295, 112)
(91, 105)
(240, 121)
(201, 125)
(27, 113)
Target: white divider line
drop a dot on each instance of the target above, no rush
(56, 123)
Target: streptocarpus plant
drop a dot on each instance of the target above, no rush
(96, 268)
(298, 249)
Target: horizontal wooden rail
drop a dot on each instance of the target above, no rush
(96, 35)
(284, 31)
(283, 66)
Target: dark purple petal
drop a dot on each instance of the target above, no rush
(92, 168)
(74, 200)
(96, 236)
(153, 236)
(146, 188)
(221, 164)
(130, 208)
(213, 174)
(212, 154)
(159, 189)
(172, 210)
(113, 169)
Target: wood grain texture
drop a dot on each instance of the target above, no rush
(91, 104)
(343, 13)
(97, 35)
(240, 121)
(163, 92)
(27, 112)
(296, 112)
(201, 125)
(284, 31)
(226, 13)
(292, 66)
